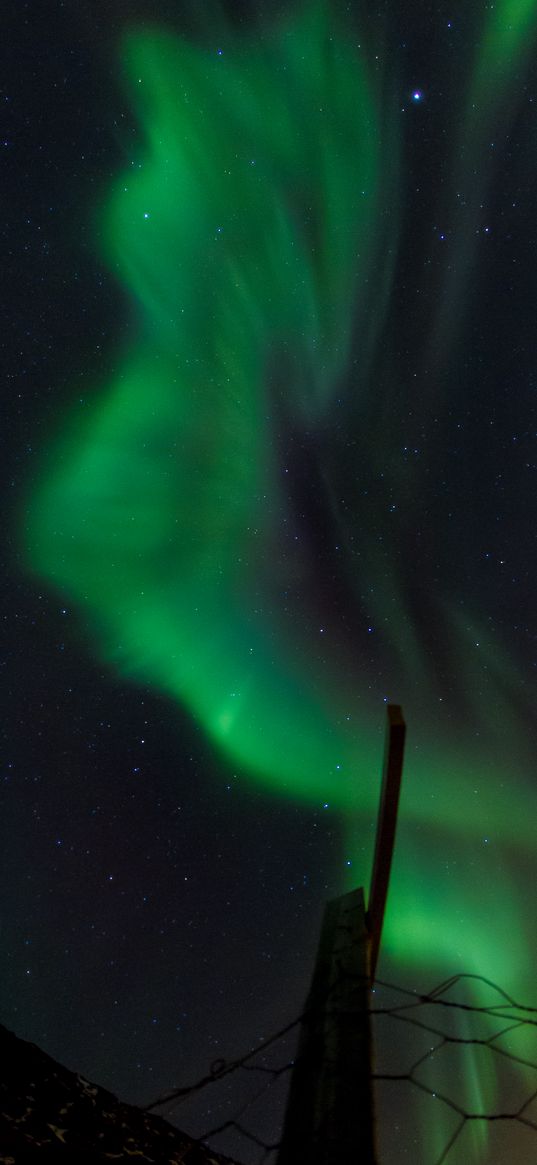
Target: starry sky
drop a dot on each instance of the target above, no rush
(269, 389)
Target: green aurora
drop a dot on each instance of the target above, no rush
(243, 250)
(174, 478)
(257, 262)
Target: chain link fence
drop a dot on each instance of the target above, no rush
(455, 1079)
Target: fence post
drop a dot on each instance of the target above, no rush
(386, 825)
(329, 1117)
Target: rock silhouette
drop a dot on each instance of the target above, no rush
(52, 1115)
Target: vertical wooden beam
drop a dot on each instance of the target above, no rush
(329, 1117)
(386, 825)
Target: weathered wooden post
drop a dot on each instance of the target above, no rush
(329, 1117)
(386, 825)
(329, 1110)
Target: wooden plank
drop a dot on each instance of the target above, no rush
(329, 1117)
(386, 826)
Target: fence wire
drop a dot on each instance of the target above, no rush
(422, 1016)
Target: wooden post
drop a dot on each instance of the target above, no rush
(329, 1117)
(386, 824)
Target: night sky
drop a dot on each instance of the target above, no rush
(270, 376)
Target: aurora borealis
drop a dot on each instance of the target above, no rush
(290, 495)
(246, 311)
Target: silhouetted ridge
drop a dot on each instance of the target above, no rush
(49, 1114)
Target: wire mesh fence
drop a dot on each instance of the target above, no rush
(454, 1071)
(465, 1060)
